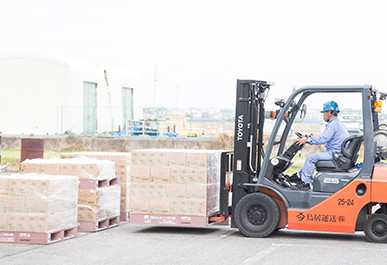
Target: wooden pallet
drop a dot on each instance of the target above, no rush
(169, 220)
(94, 226)
(37, 238)
(92, 184)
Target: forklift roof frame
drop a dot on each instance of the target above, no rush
(291, 196)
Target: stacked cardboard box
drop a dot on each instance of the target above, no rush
(84, 168)
(175, 182)
(95, 203)
(122, 161)
(38, 202)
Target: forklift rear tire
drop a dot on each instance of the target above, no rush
(257, 215)
(375, 228)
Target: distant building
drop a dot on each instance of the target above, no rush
(46, 95)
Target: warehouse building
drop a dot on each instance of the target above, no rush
(43, 95)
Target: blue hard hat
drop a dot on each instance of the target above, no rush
(330, 105)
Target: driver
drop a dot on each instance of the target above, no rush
(332, 137)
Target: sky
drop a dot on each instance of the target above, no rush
(198, 49)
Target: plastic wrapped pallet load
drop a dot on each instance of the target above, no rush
(36, 205)
(98, 204)
(84, 168)
(99, 188)
(122, 161)
(174, 187)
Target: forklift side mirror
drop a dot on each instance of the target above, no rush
(303, 111)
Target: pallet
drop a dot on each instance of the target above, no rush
(37, 238)
(124, 216)
(94, 226)
(169, 220)
(93, 184)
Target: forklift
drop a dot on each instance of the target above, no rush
(344, 198)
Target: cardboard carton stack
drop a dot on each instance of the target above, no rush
(96, 202)
(38, 203)
(175, 182)
(122, 162)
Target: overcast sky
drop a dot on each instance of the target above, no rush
(199, 48)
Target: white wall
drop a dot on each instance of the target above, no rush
(44, 95)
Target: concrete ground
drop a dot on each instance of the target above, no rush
(139, 244)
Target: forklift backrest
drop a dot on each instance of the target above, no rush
(351, 146)
(350, 149)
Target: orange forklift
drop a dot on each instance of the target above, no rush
(344, 197)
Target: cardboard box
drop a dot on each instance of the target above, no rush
(176, 158)
(182, 207)
(86, 214)
(202, 175)
(124, 204)
(30, 168)
(16, 204)
(139, 190)
(11, 222)
(196, 191)
(31, 224)
(3, 186)
(88, 197)
(175, 174)
(13, 187)
(175, 190)
(159, 206)
(197, 159)
(3, 222)
(161, 174)
(43, 188)
(192, 173)
(158, 159)
(37, 206)
(157, 190)
(140, 174)
(174, 206)
(75, 169)
(192, 207)
(50, 169)
(23, 187)
(3, 204)
(21, 222)
(139, 205)
(34, 188)
(65, 169)
(140, 158)
(42, 223)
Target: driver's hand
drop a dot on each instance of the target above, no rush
(301, 141)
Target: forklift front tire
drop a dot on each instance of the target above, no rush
(257, 215)
(375, 228)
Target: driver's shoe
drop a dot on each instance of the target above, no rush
(300, 185)
(293, 178)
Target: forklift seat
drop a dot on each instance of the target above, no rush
(349, 148)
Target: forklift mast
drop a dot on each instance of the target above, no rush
(248, 140)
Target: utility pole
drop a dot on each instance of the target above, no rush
(154, 88)
(177, 96)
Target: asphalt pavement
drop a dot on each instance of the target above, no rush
(140, 244)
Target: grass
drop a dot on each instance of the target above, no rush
(12, 157)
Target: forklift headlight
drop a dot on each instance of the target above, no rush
(274, 161)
